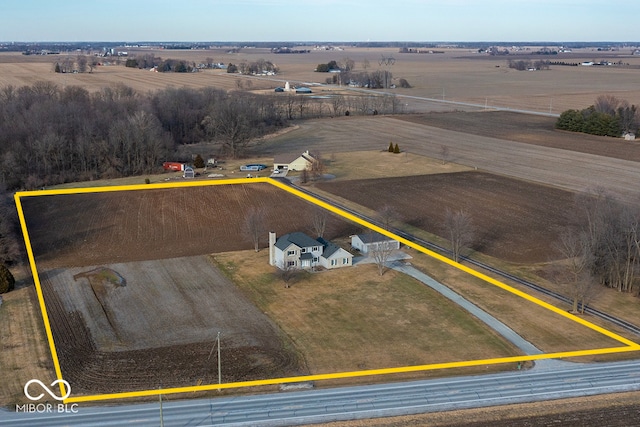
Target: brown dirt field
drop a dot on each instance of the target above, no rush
(516, 221)
(110, 338)
(529, 129)
(611, 410)
(570, 170)
(105, 228)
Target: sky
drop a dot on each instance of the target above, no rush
(319, 20)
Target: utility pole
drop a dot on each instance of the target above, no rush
(161, 417)
(219, 362)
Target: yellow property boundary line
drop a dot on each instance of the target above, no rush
(628, 345)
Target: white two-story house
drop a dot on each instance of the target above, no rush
(299, 251)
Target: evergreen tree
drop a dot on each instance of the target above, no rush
(390, 147)
(7, 281)
(198, 162)
(396, 149)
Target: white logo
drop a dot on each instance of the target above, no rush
(67, 387)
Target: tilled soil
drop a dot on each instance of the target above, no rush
(515, 220)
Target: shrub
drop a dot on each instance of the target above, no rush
(198, 162)
(404, 83)
(7, 282)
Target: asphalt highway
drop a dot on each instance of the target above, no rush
(549, 380)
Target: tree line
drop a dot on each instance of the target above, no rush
(601, 249)
(526, 64)
(608, 116)
(51, 135)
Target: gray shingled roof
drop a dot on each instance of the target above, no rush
(374, 237)
(330, 249)
(297, 238)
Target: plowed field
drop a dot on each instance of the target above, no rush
(515, 220)
(153, 322)
(104, 228)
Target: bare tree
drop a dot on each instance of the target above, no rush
(380, 252)
(461, 230)
(9, 243)
(347, 64)
(338, 105)
(365, 64)
(303, 105)
(607, 104)
(386, 215)
(232, 121)
(317, 168)
(576, 275)
(613, 231)
(82, 61)
(288, 274)
(444, 154)
(254, 226)
(319, 221)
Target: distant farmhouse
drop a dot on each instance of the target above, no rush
(299, 251)
(294, 162)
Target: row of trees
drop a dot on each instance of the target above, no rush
(260, 66)
(608, 116)
(526, 64)
(81, 64)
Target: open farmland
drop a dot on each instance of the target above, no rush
(516, 221)
(105, 314)
(159, 329)
(458, 75)
(500, 154)
(103, 228)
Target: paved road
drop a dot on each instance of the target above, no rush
(314, 406)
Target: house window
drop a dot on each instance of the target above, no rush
(291, 264)
(334, 262)
(303, 250)
(316, 248)
(345, 261)
(291, 253)
(316, 259)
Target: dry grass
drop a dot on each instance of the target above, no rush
(546, 330)
(382, 164)
(353, 319)
(24, 354)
